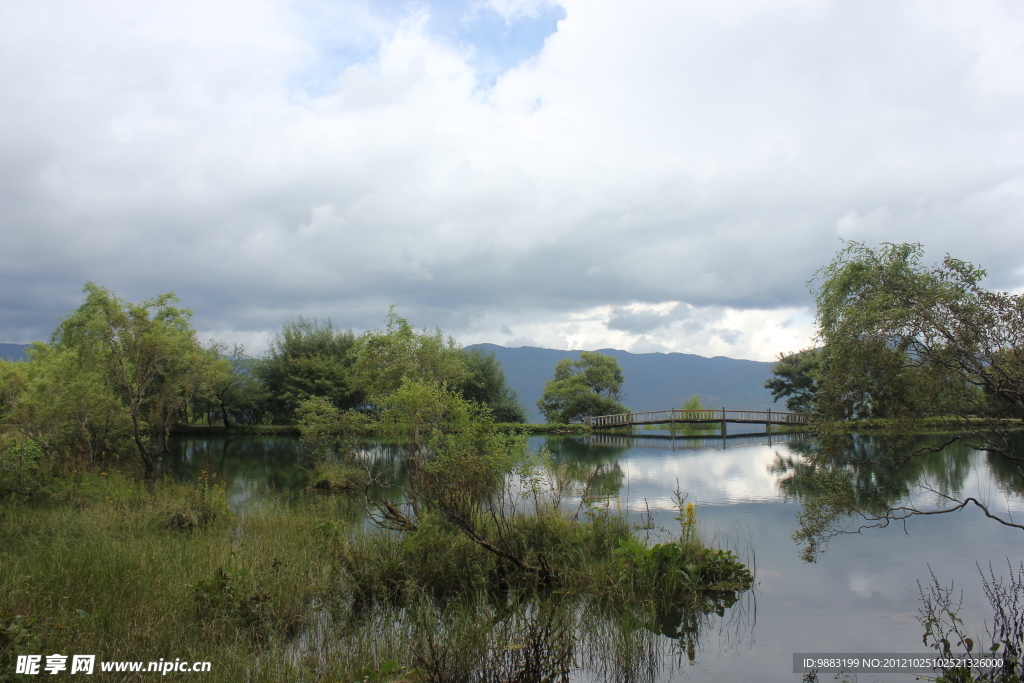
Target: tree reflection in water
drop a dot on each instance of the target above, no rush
(865, 486)
(501, 637)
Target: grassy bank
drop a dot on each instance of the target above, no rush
(253, 430)
(937, 424)
(291, 430)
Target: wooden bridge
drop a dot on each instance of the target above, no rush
(719, 417)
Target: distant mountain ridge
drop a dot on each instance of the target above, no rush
(654, 381)
(13, 351)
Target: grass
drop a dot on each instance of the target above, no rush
(253, 430)
(298, 588)
(336, 477)
(101, 567)
(547, 428)
(293, 430)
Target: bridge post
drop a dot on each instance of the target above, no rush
(672, 423)
(724, 430)
(768, 424)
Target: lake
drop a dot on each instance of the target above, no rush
(860, 596)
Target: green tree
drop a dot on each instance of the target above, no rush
(795, 378)
(583, 388)
(309, 358)
(693, 403)
(907, 341)
(456, 462)
(146, 356)
(429, 422)
(327, 432)
(486, 384)
(61, 404)
(386, 359)
(234, 393)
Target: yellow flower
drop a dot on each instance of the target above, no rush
(691, 515)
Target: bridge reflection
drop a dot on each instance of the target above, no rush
(682, 443)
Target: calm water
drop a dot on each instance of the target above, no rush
(861, 596)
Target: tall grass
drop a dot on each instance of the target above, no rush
(298, 588)
(103, 568)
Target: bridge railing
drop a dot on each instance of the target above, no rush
(691, 416)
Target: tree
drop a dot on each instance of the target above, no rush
(693, 403)
(309, 358)
(328, 433)
(456, 462)
(930, 340)
(146, 356)
(62, 405)
(234, 393)
(907, 341)
(386, 360)
(583, 388)
(795, 378)
(486, 384)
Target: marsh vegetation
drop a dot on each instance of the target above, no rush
(474, 558)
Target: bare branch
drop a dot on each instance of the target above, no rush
(906, 512)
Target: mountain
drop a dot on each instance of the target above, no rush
(13, 351)
(654, 381)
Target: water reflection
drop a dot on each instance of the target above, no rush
(642, 470)
(516, 637)
(705, 470)
(642, 473)
(859, 488)
(862, 596)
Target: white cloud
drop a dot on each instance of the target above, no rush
(659, 175)
(751, 334)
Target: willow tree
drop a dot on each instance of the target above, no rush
(907, 342)
(62, 405)
(795, 378)
(145, 357)
(486, 384)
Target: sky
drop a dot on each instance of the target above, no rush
(657, 175)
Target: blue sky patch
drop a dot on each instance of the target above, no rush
(351, 33)
(499, 43)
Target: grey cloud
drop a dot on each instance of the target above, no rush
(729, 336)
(637, 321)
(646, 345)
(683, 316)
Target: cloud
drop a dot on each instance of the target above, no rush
(641, 318)
(753, 334)
(664, 174)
